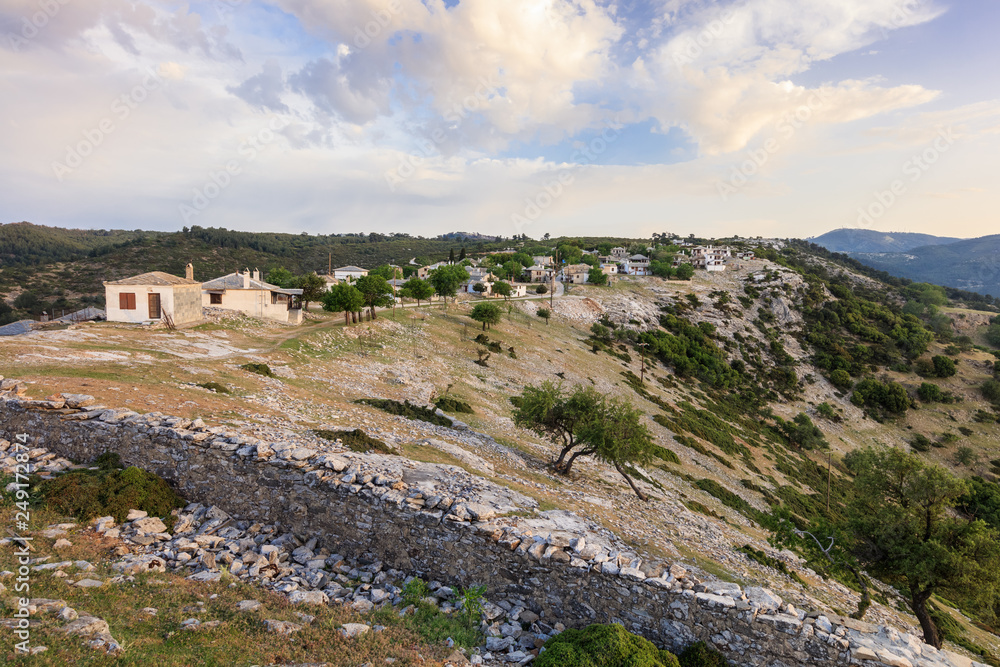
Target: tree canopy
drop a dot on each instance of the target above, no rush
(376, 292)
(446, 280)
(345, 298)
(487, 313)
(313, 288)
(417, 288)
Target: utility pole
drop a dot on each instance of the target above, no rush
(552, 292)
(329, 265)
(829, 477)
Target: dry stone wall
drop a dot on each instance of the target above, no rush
(365, 506)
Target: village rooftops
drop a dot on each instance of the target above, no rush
(235, 281)
(157, 278)
(351, 269)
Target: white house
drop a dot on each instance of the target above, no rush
(710, 258)
(609, 269)
(635, 265)
(153, 296)
(252, 296)
(349, 273)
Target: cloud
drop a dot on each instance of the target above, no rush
(263, 90)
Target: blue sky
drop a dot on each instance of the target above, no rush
(753, 117)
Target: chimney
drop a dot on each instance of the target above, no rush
(189, 271)
(246, 278)
(256, 274)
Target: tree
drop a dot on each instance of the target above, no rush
(376, 291)
(684, 272)
(503, 289)
(597, 277)
(313, 288)
(479, 288)
(944, 367)
(841, 379)
(552, 413)
(451, 256)
(345, 298)
(993, 335)
(446, 280)
(614, 434)
(901, 516)
(802, 433)
(461, 255)
(26, 301)
(487, 313)
(281, 277)
(544, 313)
(417, 288)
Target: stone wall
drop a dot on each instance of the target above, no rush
(557, 576)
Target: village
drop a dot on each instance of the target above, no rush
(157, 296)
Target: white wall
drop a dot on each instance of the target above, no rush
(256, 303)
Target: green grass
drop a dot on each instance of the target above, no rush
(405, 409)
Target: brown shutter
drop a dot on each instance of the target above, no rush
(123, 301)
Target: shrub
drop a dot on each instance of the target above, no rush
(966, 456)
(356, 440)
(108, 491)
(452, 404)
(541, 289)
(405, 409)
(259, 369)
(991, 391)
(603, 646)
(216, 387)
(920, 443)
(944, 367)
(841, 379)
(930, 393)
(700, 655)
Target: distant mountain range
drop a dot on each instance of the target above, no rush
(968, 264)
(866, 240)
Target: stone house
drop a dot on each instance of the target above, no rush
(154, 296)
(252, 296)
(576, 274)
(539, 273)
(542, 260)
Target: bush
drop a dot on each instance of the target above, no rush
(405, 409)
(991, 391)
(700, 655)
(603, 646)
(452, 404)
(108, 491)
(930, 393)
(541, 289)
(356, 440)
(920, 443)
(944, 367)
(841, 379)
(259, 369)
(216, 387)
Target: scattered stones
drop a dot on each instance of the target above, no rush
(351, 630)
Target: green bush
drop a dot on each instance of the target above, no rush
(991, 391)
(841, 379)
(700, 655)
(259, 369)
(920, 443)
(930, 393)
(356, 440)
(452, 404)
(108, 491)
(405, 409)
(216, 387)
(603, 646)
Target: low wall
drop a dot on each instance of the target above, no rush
(317, 494)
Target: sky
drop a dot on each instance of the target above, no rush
(784, 118)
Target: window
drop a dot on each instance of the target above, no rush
(215, 299)
(126, 301)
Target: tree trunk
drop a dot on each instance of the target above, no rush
(628, 479)
(919, 604)
(347, 318)
(484, 325)
(579, 452)
(562, 455)
(866, 597)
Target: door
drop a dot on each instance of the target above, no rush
(154, 306)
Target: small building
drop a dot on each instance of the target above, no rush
(542, 260)
(635, 265)
(425, 271)
(609, 269)
(710, 258)
(151, 297)
(252, 296)
(576, 274)
(349, 273)
(539, 273)
(329, 280)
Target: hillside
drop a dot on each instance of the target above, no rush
(733, 362)
(854, 240)
(973, 264)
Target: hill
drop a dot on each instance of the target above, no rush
(852, 240)
(758, 385)
(973, 264)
